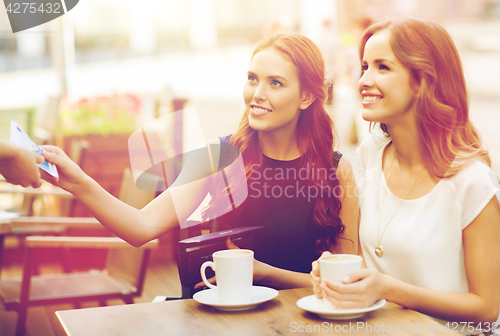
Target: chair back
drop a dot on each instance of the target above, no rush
(192, 252)
(78, 148)
(126, 263)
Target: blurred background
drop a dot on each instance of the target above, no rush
(85, 81)
(198, 50)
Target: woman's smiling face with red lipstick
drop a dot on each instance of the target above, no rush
(272, 93)
(385, 84)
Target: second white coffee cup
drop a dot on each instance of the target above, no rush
(233, 273)
(336, 266)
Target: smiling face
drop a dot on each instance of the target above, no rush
(385, 84)
(272, 93)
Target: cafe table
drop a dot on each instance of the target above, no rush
(280, 316)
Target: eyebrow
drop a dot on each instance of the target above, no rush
(381, 60)
(270, 77)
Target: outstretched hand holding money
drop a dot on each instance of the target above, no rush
(19, 165)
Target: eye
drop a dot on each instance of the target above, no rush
(276, 83)
(364, 67)
(383, 67)
(252, 78)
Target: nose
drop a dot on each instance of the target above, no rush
(260, 92)
(365, 81)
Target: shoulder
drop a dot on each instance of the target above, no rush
(474, 173)
(367, 151)
(226, 139)
(344, 164)
(474, 186)
(225, 144)
(345, 171)
(336, 157)
(475, 178)
(374, 142)
(228, 152)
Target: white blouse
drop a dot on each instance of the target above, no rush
(423, 243)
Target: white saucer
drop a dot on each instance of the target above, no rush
(259, 295)
(314, 305)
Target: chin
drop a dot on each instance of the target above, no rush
(256, 126)
(372, 116)
(368, 116)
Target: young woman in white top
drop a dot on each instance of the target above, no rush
(429, 202)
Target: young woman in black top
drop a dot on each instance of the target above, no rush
(299, 188)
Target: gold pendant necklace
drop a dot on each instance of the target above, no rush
(379, 252)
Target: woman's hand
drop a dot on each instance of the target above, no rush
(71, 175)
(316, 277)
(360, 289)
(19, 165)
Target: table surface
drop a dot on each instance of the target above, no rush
(280, 316)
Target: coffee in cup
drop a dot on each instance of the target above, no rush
(335, 267)
(233, 273)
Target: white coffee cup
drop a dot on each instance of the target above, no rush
(335, 267)
(233, 273)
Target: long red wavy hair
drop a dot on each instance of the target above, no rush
(316, 135)
(442, 113)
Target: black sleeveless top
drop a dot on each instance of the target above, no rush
(281, 198)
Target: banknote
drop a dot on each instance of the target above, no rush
(19, 137)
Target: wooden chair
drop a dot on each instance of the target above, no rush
(191, 253)
(60, 198)
(123, 277)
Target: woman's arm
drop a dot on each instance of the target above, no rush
(349, 212)
(270, 276)
(135, 226)
(482, 262)
(350, 215)
(279, 278)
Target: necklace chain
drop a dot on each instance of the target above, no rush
(378, 250)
